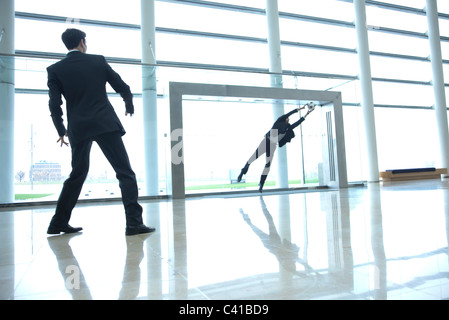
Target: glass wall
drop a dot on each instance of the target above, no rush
(225, 42)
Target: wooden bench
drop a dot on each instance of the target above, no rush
(412, 174)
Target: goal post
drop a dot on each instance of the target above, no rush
(332, 132)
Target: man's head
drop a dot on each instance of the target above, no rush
(74, 39)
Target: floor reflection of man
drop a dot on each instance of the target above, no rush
(285, 251)
(71, 272)
(132, 274)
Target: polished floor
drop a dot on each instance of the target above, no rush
(381, 241)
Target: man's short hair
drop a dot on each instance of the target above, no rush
(72, 37)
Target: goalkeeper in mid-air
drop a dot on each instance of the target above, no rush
(281, 132)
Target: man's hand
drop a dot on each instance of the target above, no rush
(61, 139)
(308, 112)
(130, 114)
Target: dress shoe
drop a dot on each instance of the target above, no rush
(66, 229)
(244, 171)
(141, 228)
(239, 178)
(262, 182)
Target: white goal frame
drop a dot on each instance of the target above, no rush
(333, 141)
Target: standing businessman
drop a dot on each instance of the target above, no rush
(81, 78)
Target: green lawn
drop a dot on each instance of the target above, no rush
(239, 185)
(31, 196)
(24, 196)
(228, 186)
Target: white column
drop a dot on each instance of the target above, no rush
(149, 97)
(367, 90)
(438, 81)
(6, 101)
(274, 47)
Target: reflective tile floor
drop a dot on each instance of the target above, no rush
(373, 242)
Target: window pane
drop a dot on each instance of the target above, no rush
(380, 17)
(31, 73)
(388, 93)
(418, 4)
(309, 142)
(354, 144)
(188, 17)
(171, 47)
(443, 6)
(331, 9)
(444, 27)
(105, 10)
(316, 33)
(246, 3)
(100, 40)
(406, 139)
(444, 32)
(398, 44)
(446, 72)
(313, 60)
(212, 148)
(214, 151)
(393, 68)
(35, 144)
(348, 88)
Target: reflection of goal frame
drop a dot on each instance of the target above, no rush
(334, 157)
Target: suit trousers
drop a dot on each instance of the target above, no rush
(113, 148)
(267, 147)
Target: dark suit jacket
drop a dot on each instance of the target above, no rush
(283, 127)
(81, 78)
